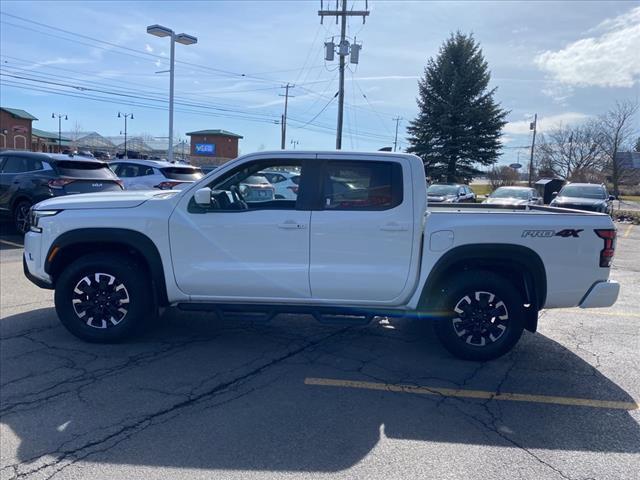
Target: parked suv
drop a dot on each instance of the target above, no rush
(514, 196)
(450, 193)
(27, 178)
(150, 174)
(584, 196)
(285, 183)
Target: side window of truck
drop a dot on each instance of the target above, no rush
(357, 185)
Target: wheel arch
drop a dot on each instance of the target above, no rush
(520, 264)
(74, 243)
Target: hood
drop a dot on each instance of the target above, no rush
(505, 201)
(124, 199)
(579, 201)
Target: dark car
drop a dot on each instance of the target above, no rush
(450, 193)
(27, 178)
(584, 196)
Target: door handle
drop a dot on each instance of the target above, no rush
(292, 225)
(394, 227)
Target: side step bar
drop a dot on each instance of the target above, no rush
(265, 313)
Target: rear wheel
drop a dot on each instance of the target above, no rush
(482, 316)
(104, 298)
(21, 216)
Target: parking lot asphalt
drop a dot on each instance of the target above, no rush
(199, 397)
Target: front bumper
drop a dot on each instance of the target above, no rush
(32, 262)
(35, 280)
(601, 294)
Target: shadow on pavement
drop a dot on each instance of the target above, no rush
(201, 393)
(10, 239)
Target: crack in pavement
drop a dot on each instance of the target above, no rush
(86, 377)
(66, 458)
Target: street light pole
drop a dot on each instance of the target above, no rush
(126, 116)
(184, 39)
(59, 115)
(171, 70)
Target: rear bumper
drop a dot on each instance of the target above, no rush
(601, 294)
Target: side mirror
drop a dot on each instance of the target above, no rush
(203, 197)
(554, 194)
(611, 197)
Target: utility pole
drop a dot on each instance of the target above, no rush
(60, 115)
(294, 143)
(126, 116)
(570, 155)
(283, 127)
(344, 49)
(532, 126)
(395, 140)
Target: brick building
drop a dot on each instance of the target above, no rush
(48, 142)
(15, 129)
(213, 147)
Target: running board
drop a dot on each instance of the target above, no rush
(265, 313)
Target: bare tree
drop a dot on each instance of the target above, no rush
(571, 153)
(76, 133)
(502, 176)
(617, 131)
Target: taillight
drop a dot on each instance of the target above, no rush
(293, 188)
(167, 185)
(606, 254)
(59, 183)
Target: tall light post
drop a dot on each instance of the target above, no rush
(60, 115)
(126, 116)
(184, 39)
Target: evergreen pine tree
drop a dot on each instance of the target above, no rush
(459, 123)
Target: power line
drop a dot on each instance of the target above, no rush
(320, 112)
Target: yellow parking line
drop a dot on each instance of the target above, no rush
(627, 231)
(478, 394)
(13, 244)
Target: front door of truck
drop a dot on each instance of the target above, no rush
(248, 244)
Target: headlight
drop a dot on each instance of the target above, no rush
(36, 215)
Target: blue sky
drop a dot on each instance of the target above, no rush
(567, 61)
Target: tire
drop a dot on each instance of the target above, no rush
(120, 306)
(21, 216)
(482, 316)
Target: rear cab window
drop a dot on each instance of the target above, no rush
(362, 185)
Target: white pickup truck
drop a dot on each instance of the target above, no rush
(357, 241)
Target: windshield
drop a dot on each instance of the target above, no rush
(511, 193)
(80, 169)
(584, 191)
(182, 173)
(442, 190)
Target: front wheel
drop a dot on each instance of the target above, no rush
(104, 298)
(21, 216)
(482, 316)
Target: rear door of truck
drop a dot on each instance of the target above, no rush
(362, 235)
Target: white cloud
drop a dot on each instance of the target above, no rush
(608, 60)
(148, 48)
(545, 123)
